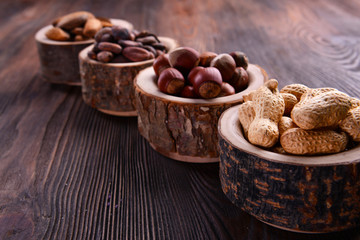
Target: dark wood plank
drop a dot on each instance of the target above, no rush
(70, 172)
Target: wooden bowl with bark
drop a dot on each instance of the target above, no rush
(180, 128)
(311, 194)
(59, 63)
(109, 87)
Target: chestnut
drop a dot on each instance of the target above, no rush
(184, 59)
(193, 72)
(240, 79)
(161, 63)
(240, 58)
(171, 81)
(207, 82)
(226, 90)
(188, 92)
(226, 65)
(206, 58)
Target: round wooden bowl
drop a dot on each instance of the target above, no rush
(312, 194)
(184, 129)
(59, 59)
(109, 87)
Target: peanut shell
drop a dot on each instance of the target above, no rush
(325, 109)
(351, 124)
(313, 142)
(285, 123)
(290, 101)
(296, 89)
(246, 115)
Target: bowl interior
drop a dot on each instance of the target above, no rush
(169, 43)
(146, 81)
(233, 134)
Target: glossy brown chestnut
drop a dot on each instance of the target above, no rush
(171, 81)
(193, 72)
(240, 58)
(226, 65)
(206, 58)
(240, 79)
(226, 90)
(207, 82)
(184, 59)
(161, 63)
(188, 92)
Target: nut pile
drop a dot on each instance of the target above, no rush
(187, 73)
(76, 26)
(120, 45)
(300, 120)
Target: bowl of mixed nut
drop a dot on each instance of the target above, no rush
(291, 157)
(181, 97)
(59, 44)
(109, 66)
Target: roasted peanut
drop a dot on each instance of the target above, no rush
(285, 123)
(325, 109)
(269, 107)
(296, 89)
(313, 142)
(351, 124)
(290, 101)
(246, 114)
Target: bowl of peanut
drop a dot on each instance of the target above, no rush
(291, 158)
(180, 99)
(59, 44)
(109, 66)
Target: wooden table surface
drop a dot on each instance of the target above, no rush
(68, 171)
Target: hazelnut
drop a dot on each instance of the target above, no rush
(171, 81)
(206, 58)
(161, 63)
(240, 79)
(207, 82)
(226, 65)
(226, 90)
(184, 59)
(188, 92)
(241, 59)
(192, 74)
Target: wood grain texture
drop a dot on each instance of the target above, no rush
(68, 171)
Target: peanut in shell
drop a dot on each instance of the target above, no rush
(313, 142)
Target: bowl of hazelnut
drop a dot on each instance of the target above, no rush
(291, 158)
(59, 44)
(109, 66)
(180, 99)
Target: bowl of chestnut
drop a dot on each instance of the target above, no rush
(180, 98)
(59, 44)
(109, 66)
